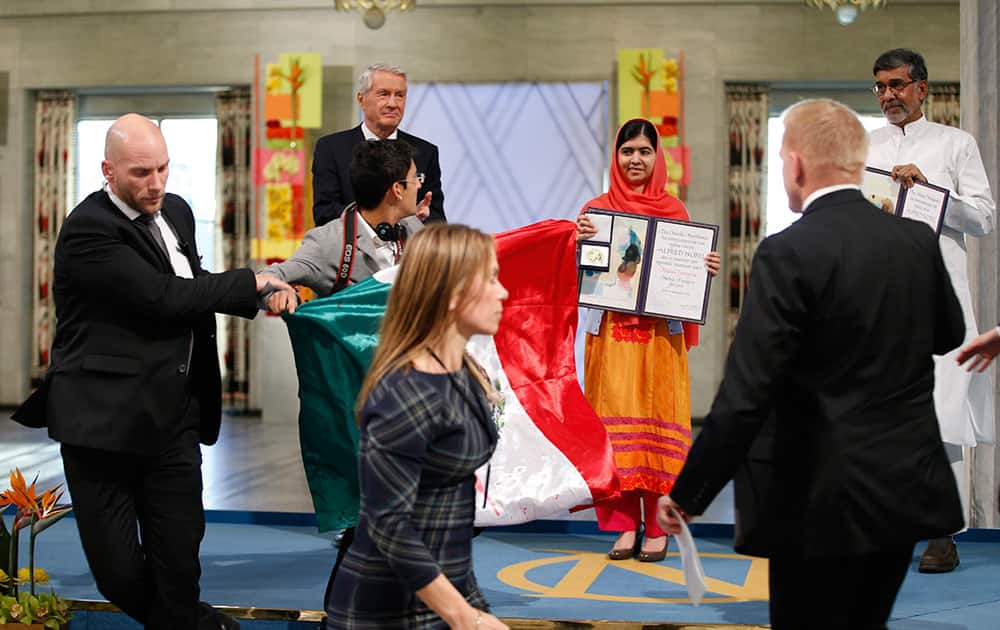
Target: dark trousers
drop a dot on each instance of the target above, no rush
(141, 523)
(855, 592)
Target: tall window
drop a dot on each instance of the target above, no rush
(778, 215)
(192, 146)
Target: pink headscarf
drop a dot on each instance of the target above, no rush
(653, 200)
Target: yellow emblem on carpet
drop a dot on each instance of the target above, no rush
(586, 567)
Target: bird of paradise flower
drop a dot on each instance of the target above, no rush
(31, 511)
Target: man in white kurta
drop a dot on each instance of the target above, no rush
(911, 148)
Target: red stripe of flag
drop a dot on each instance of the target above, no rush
(535, 345)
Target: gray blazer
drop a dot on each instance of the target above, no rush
(316, 263)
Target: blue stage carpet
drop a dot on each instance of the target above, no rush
(532, 576)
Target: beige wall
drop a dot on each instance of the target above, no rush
(188, 43)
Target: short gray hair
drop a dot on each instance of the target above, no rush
(365, 80)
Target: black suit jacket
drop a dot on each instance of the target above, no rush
(120, 377)
(843, 313)
(332, 179)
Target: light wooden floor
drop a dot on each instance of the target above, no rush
(256, 464)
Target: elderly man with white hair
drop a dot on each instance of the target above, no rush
(382, 98)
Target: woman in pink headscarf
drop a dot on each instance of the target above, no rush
(636, 368)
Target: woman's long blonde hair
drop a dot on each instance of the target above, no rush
(441, 261)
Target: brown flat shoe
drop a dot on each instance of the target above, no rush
(654, 556)
(941, 556)
(621, 554)
(626, 552)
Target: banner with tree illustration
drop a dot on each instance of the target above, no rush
(292, 99)
(651, 85)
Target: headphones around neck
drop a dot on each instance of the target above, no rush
(389, 232)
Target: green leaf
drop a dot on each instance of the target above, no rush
(52, 623)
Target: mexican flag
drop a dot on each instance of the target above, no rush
(553, 454)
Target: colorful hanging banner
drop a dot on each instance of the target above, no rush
(650, 85)
(292, 102)
(294, 90)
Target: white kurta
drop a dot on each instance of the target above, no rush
(949, 157)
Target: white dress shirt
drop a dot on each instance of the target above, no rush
(370, 135)
(949, 157)
(826, 190)
(386, 251)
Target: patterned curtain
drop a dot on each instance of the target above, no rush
(943, 104)
(54, 125)
(234, 112)
(748, 115)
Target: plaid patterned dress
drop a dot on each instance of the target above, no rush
(422, 437)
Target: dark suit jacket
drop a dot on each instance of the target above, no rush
(120, 378)
(332, 180)
(843, 313)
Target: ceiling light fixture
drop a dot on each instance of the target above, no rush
(846, 10)
(374, 10)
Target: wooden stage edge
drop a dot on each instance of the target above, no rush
(280, 614)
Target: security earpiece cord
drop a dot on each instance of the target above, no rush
(473, 407)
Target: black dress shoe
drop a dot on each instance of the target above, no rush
(941, 556)
(213, 619)
(226, 622)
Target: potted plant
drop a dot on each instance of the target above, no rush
(22, 607)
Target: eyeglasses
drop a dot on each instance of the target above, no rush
(419, 179)
(896, 86)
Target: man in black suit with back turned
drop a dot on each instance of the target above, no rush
(844, 311)
(382, 97)
(134, 383)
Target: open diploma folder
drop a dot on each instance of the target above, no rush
(923, 202)
(646, 266)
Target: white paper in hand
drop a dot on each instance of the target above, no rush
(694, 575)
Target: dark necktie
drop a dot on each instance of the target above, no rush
(149, 221)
